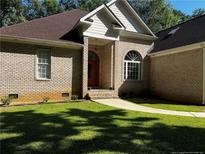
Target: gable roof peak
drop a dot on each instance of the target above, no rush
(103, 6)
(107, 6)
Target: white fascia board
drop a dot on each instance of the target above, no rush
(178, 49)
(83, 19)
(111, 2)
(100, 36)
(136, 35)
(95, 11)
(115, 17)
(138, 17)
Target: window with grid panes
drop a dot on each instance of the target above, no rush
(132, 66)
(44, 64)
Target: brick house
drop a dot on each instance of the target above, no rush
(106, 53)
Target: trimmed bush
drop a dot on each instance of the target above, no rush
(6, 100)
(45, 99)
(74, 97)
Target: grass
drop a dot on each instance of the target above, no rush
(88, 127)
(167, 105)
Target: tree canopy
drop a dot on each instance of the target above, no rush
(157, 14)
(198, 12)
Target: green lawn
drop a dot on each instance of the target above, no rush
(167, 105)
(88, 127)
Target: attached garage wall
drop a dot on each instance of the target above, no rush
(17, 73)
(178, 76)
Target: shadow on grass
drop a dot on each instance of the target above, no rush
(52, 133)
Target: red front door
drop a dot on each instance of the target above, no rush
(93, 73)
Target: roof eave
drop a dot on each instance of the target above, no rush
(43, 42)
(178, 49)
(137, 35)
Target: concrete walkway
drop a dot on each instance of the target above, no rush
(122, 104)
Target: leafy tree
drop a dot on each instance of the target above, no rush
(50, 7)
(11, 12)
(183, 16)
(33, 9)
(66, 5)
(90, 5)
(157, 14)
(198, 12)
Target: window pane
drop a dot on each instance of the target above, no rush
(132, 56)
(44, 59)
(132, 71)
(132, 64)
(125, 71)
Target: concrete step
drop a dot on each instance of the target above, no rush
(102, 93)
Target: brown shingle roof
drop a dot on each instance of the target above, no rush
(189, 32)
(53, 27)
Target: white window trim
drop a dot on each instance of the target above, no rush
(125, 68)
(36, 66)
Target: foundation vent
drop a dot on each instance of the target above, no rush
(65, 94)
(14, 96)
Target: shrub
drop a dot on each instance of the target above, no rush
(45, 99)
(6, 100)
(87, 97)
(74, 97)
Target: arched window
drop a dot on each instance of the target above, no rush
(132, 66)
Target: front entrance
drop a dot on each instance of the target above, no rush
(93, 70)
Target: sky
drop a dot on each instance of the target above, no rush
(188, 6)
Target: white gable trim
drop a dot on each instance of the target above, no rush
(111, 2)
(135, 14)
(97, 10)
(83, 19)
(113, 15)
(106, 6)
(138, 17)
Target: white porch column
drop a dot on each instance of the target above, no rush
(203, 75)
(85, 68)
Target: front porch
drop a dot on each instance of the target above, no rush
(100, 78)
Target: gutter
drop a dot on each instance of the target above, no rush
(43, 42)
(178, 49)
(137, 35)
